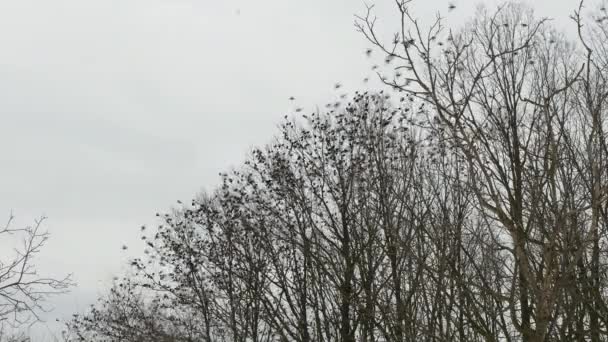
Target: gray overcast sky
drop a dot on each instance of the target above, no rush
(112, 109)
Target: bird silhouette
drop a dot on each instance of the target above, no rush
(451, 7)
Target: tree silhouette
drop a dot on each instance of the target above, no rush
(467, 202)
(23, 291)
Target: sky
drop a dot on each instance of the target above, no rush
(111, 110)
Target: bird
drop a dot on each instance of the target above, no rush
(366, 79)
(337, 86)
(451, 7)
(298, 110)
(368, 52)
(124, 247)
(291, 98)
(143, 228)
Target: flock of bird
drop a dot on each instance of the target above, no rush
(368, 52)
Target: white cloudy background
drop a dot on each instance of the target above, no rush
(111, 110)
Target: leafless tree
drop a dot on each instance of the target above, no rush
(469, 202)
(23, 291)
(127, 313)
(524, 108)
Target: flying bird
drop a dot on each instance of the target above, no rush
(291, 98)
(124, 247)
(368, 52)
(451, 7)
(337, 86)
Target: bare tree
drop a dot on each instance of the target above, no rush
(128, 313)
(514, 99)
(23, 291)
(467, 203)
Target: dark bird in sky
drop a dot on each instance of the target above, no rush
(451, 7)
(337, 86)
(291, 98)
(366, 79)
(368, 52)
(298, 110)
(143, 228)
(124, 247)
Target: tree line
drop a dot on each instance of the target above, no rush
(468, 201)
